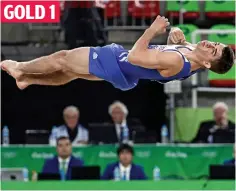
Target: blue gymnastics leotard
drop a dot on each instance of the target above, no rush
(110, 64)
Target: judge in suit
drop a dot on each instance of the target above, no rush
(119, 112)
(125, 166)
(219, 130)
(64, 161)
(72, 128)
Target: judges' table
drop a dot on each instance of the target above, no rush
(111, 185)
(181, 161)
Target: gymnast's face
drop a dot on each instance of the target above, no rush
(209, 52)
(117, 115)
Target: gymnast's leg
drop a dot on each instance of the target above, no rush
(76, 60)
(53, 79)
(45, 64)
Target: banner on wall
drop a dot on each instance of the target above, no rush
(181, 162)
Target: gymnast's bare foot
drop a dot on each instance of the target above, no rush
(22, 84)
(11, 67)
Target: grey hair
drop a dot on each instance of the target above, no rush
(220, 105)
(120, 105)
(70, 109)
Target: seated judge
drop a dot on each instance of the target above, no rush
(127, 169)
(232, 160)
(119, 112)
(72, 128)
(219, 130)
(63, 161)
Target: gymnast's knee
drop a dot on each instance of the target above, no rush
(59, 59)
(71, 57)
(76, 60)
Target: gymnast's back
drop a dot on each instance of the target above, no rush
(110, 63)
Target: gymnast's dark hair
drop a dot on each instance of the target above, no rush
(125, 147)
(226, 61)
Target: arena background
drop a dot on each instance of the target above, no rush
(40, 107)
(21, 112)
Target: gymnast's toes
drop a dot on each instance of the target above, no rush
(10, 67)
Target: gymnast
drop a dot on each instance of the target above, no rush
(123, 68)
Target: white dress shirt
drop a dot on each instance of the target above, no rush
(125, 171)
(118, 128)
(60, 160)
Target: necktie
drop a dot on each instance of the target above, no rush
(124, 175)
(63, 166)
(121, 133)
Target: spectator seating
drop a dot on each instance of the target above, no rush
(220, 9)
(113, 9)
(187, 30)
(225, 80)
(191, 9)
(228, 39)
(149, 9)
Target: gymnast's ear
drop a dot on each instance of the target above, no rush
(207, 64)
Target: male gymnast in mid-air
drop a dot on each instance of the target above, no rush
(123, 68)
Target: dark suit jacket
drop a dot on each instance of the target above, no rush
(52, 166)
(134, 125)
(218, 136)
(136, 172)
(229, 162)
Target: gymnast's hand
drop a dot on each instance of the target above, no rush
(159, 25)
(176, 36)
